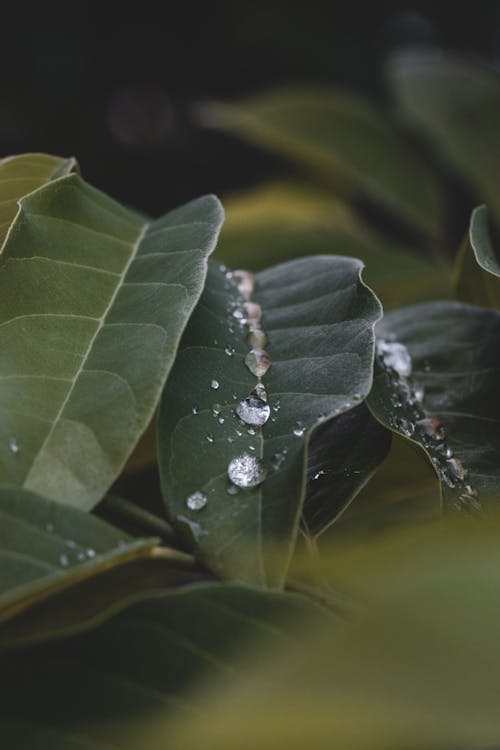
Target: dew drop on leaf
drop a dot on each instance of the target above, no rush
(215, 384)
(196, 501)
(246, 471)
(253, 410)
(258, 362)
(14, 446)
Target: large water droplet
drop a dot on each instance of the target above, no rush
(245, 282)
(396, 356)
(215, 385)
(14, 445)
(258, 362)
(246, 471)
(196, 501)
(253, 410)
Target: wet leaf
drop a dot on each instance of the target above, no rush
(93, 301)
(62, 568)
(20, 175)
(477, 272)
(457, 105)
(436, 384)
(319, 318)
(285, 220)
(339, 135)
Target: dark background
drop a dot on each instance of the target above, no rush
(121, 90)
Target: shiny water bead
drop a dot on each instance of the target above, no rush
(253, 410)
(396, 356)
(432, 427)
(215, 385)
(258, 362)
(299, 429)
(196, 501)
(253, 313)
(245, 281)
(257, 338)
(14, 446)
(260, 392)
(246, 471)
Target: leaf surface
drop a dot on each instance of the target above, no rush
(93, 301)
(477, 271)
(444, 397)
(339, 135)
(319, 318)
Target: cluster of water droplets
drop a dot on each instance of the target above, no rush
(409, 416)
(73, 553)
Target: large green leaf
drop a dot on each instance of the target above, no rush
(153, 657)
(20, 175)
(458, 105)
(319, 318)
(284, 220)
(93, 301)
(61, 567)
(343, 455)
(436, 384)
(477, 271)
(339, 134)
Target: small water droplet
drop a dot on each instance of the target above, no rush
(251, 431)
(235, 396)
(245, 282)
(419, 394)
(239, 433)
(246, 471)
(215, 385)
(260, 392)
(196, 501)
(14, 445)
(195, 409)
(223, 268)
(299, 429)
(251, 447)
(319, 474)
(253, 313)
(230, 439)
(229, 350)
(357, 396)
(80, 556)
(276, 406)
(210, 437)
(216, 409)
(232, 489)
(70, 543)
(396, 356)
(257, 338)
(258, 362)
(406, 427)
(63, 560)
(221, 420)
(457, 468)
(253, 410)
(239, 315)
(90, 553)
(216, 342)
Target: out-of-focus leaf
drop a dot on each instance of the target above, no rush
(343, 455)
(285, 220)
(93, 301)
(319, 318)
(436, 383)
(477, 272)
(20, 175)
(339, 135)
(457, 104)
(61, 568)
(153, 657)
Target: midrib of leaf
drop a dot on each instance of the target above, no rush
(101, 320)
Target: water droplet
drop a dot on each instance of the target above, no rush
(210, 437)
(246, 471)
(276, 406)
(457, 468)
(357, 396)
(215, 385)
(319, 474)
(299, 429)
(230, 439)
(278, 459)
(70, 543)
(245, 282)
(221, 420)
(240, 316)
(254, 313)
(258, 362)
(239, 433)
(232, 489)
(14, 445)
(253, 410)
(251, 431)
(432, 427)
(260, 392)
(222, 268)
(63, 560)
(90, 553)
(229, 350)
(196, 501)
(257, 338)
(235, 396)
(396, 356)
(405, 426)
(50, 528)
(195, 409)
(251, 447)
(80, 556)
(419, 394)
(216, 409)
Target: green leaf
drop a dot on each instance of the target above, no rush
(343, 455)
(436, 383)
(154, 656)
(457, 105)
(319, 318)
(93, 301)
(284, 220)
(339, 135)
(20, 175)
(61, 568)
(477, 268)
